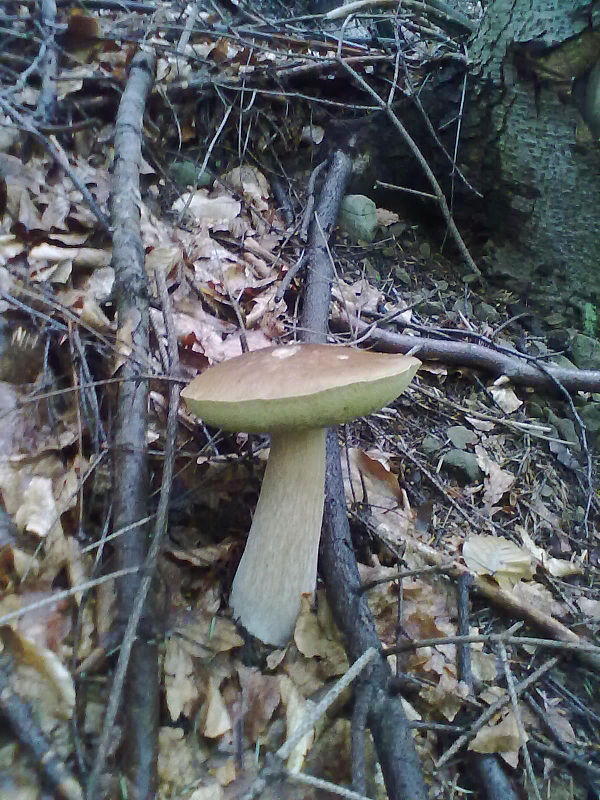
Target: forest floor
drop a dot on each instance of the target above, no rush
(471, 499)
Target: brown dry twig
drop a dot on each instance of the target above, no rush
(413, 147)
(137, 659)
(392, 736)
(468, 354)
(20, 717)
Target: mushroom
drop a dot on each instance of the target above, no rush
(294, 392)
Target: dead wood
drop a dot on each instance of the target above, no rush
(488, 767)
(467, 354)
(21, 719)
(392, 735)
(130, 456)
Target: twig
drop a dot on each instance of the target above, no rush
(57, 596)
(48, 66)
(393, 740)
(497, 362)
(20, 717)
(409, 573)
(493, 710)
(317, 712)
(413, 147)
(442, 13)
(326, 786)
(491, 773)
(130, 453)
(274, 769)
(492, 638)
(360, 714)
(510, 685)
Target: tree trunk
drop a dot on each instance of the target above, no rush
(541, 186)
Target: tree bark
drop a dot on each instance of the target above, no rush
(539, 183)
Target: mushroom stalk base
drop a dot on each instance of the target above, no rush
(279, 563)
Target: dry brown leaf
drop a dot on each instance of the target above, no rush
(37, 512)
(355, 298)
(485, 426)
(213, 213)
(205, 634)
(180, 680)
(532, 593)
(381, 484)
(296, 708)
(212, 791)
(557, 718)
(504, 395)
(315, 635)
(557, 567)
(492, 555)
(497, 480)
(177, 762)
(260, 696)
(215, 719)
(589, 607)
(41, 672)
(500, 738)
(251, 184)
(447, 697)
(483, 666)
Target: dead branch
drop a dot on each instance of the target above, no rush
(48, 66)
(502, 598)
(391, 733)
(489, 769)
(468, 354)
(21, 719)
(130, 487)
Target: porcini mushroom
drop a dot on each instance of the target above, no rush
(294, 392)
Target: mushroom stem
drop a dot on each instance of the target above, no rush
(279, 563)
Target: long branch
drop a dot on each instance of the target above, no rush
(392, 736)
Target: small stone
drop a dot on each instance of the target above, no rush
(188, 173)
(487, 313)
(431, 308)
(400, 274)
(431, 444)
(464, 307)
(585, 351)
(464, 465)
(590, 414)
(562, 361)
(358, 217)
(461, 436)
(565, 428)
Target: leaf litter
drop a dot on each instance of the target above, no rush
(224, 250)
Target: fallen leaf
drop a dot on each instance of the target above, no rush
(296, 708)
(497, 481)
(213, 213)
(500, 738)
(493, 555)
(260, 696)
(504, 395)
(557, 567)
(215, 719)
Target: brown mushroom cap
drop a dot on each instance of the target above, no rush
(297, 386)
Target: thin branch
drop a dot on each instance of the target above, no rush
(130, 452)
